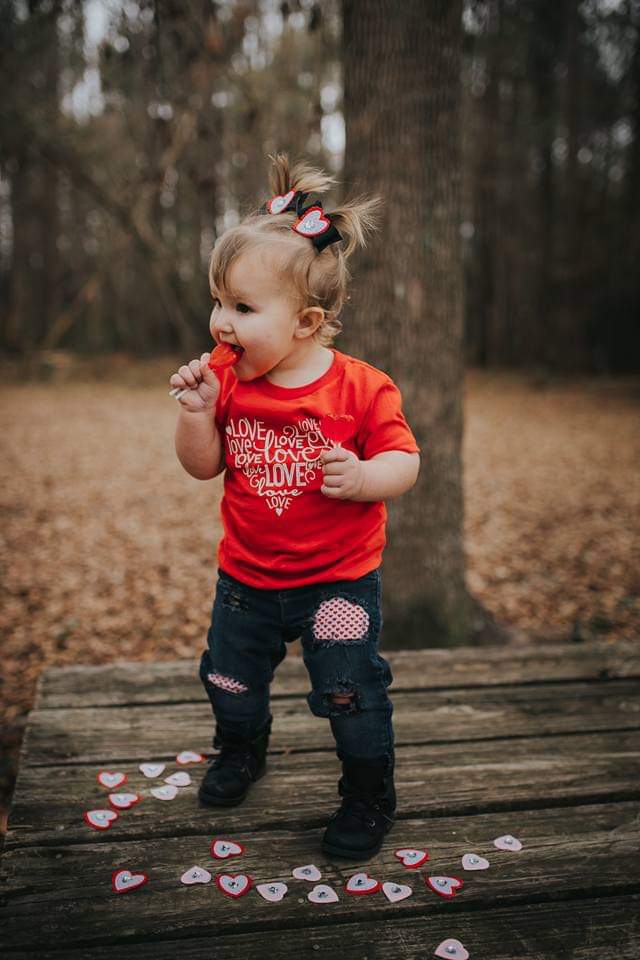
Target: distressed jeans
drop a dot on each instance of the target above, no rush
(338, 623)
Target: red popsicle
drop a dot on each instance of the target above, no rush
(336, 426)
(223, 356)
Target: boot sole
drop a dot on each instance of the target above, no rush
(355, 854)
(211, 800)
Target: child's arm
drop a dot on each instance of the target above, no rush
(198, 444)
(383, 477)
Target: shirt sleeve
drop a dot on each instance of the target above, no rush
(384, 426)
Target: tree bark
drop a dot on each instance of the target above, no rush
(401, 100)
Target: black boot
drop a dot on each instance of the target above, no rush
(240, 763)
(357, 829)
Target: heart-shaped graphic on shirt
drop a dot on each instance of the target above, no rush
(452, 949)
(234, 885)
(122, 801)
(337, 426)
(100, 819)
(221, 849)
(322, 894)
(410, 857)
(168, 792)
(445, 886)
(396, 891)
(312, 223)
(473, 861)
(507, 842)
(111, 779)
(123, 880)
(152, 770)
(188, 756)
(273, 892)
(195, 875)
(308, 872)
(361, 883)
(179, 779)
(279, 203)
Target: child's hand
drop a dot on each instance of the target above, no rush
(203, 386)
(343, 474)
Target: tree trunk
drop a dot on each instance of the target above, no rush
(401, 99)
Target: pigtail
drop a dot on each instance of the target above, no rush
(355, 219)
(301, 176)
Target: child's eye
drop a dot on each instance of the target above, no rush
(243, 308)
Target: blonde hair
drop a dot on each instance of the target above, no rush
(317, 279)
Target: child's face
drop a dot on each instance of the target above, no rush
(261, 316)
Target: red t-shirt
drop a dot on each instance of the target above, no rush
(279, 530)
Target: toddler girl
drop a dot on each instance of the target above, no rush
(312, 442)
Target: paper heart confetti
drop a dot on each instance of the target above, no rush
(411, 858)
(308, 872)
(221, 849)
(322, 894)
(362, 883)
(100, 819)
(168, 792)
(507, 842)
(472, 861)
(444, 886)
(179, 779)
(195, 875)
(234, 885)
(396, 891)
(122, 801)
(152, 770)
(452, 949)
(111, 779)
(188, 756)
(122, 881)
(279, 203)
(336, 426)
(273, 892)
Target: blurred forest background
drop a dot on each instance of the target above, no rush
(132, 133)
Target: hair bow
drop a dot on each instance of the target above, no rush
(312, 221)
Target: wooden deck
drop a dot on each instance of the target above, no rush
(539, 743)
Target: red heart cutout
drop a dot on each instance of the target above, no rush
(312, 223)
(336, 426)
(122, 881)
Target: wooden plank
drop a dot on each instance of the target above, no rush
(600, 929)
(61, 896)
(450, 779)
(141, 732)
(177, 681)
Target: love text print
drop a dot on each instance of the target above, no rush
(278, 465)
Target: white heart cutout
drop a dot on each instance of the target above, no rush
(195, 875)
(361, 883)
(179, 779)
(278, 203)
(100, 819)
(312, 223)
(164, 793)
(152, 770)
(122, 801)
(473, 861)
(234, 886)
(452, 949)
(273, 892)
(322, 893)
(308, 872)
(507, 842)
(123, 880)
(221, 849)
(444, 886)
(111, 779)
(396, 891)
(188, 756)
(411, 857)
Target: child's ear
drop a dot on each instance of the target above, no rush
(309, 320)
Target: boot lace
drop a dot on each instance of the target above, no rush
(359, 809)
(231, 756)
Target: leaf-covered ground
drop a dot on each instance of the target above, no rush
(108, 546)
